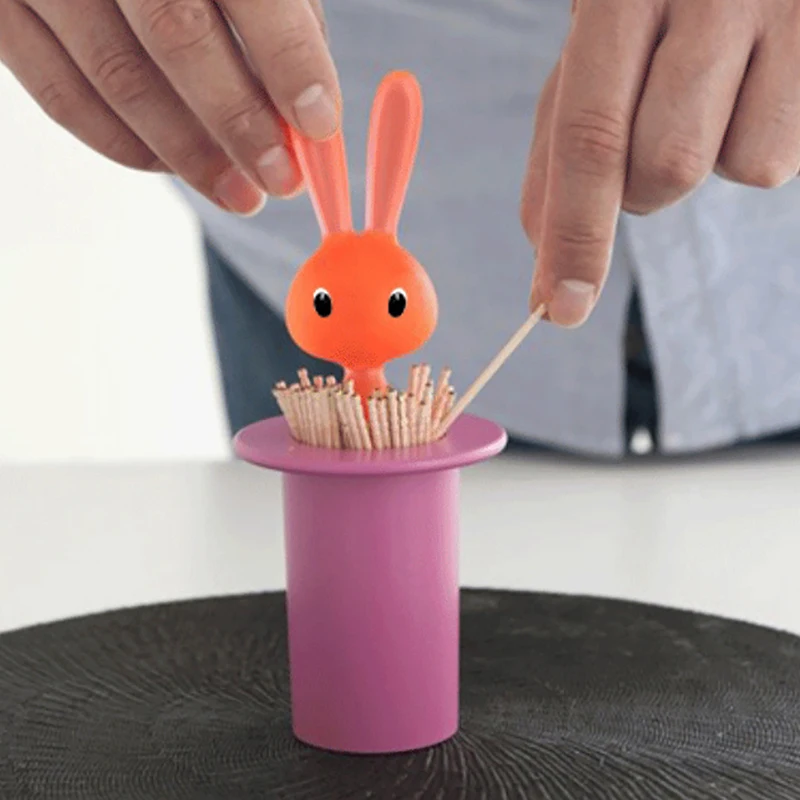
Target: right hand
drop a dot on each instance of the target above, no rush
(168, 86)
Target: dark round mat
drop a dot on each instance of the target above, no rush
(562, 698)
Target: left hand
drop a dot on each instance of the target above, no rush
(648, 99)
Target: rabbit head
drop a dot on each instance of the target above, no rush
(362, 300)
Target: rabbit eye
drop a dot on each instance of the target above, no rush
(322, 303)
(397, 303)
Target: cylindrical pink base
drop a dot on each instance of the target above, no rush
(372, 584)
(372, 600)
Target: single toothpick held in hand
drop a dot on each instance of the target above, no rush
(494, 365)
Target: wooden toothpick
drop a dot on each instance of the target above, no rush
(336, 422)
(412, 378)
(327, 418)
(361, 421)
(342, 403)
(423, 423)
(505, 352)
(374, 421)
(402, 402)
(442, 385)
(301, 402)
(383, 421)
(394, 418)
(422, 379)
(313, 413)
(351, 401)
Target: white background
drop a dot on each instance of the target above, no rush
(105, 346)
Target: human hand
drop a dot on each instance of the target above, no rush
(648, 99)
(167, 85)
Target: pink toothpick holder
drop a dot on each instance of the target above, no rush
(372, 588)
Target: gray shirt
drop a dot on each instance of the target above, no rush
(717, 274)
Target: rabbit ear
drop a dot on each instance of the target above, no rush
(324, 169)
(394, 131)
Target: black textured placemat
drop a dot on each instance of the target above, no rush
(561, 698)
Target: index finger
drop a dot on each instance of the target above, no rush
(286, 44)
(603, 67)
(191, 43)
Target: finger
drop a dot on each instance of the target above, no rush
(535, 181)
(689, 96)
(189, 40)
(762, 146)
(287, 46)
(102, 45)
(603, 66)
(38, 61)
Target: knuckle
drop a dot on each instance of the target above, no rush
(679, 165)
(293, 52)
(595, 141)
(758, 173)
(639, 206)
(61, 100)
(581, 240)
(782, 115)
(196, 160)
(244, 118)
(176, 26)
(125, 149)
(121, 75)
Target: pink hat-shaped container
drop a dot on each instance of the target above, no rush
(372, 590)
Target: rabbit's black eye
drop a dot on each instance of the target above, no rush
(322, 303)
(397, 303)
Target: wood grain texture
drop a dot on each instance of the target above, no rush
(562, 699)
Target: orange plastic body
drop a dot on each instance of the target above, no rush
(360, 272)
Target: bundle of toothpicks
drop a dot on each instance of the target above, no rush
(326, 413)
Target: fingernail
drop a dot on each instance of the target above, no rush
(571, 303)
(235, 192)
(316, 113)
(277, 170)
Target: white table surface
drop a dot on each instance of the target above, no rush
(720, 535)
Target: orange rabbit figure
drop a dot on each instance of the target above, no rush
(362, 300)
